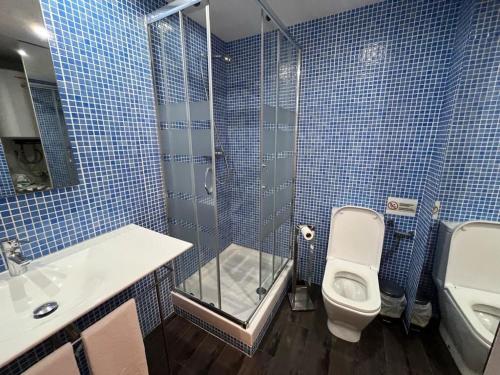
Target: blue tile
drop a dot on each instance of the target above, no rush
(397, 99)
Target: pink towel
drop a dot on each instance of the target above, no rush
(114, 344)
(60, 362)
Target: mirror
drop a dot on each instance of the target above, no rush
(464, 251)
(36, 153)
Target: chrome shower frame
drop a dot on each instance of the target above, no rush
(177, 7)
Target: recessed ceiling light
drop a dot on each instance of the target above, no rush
(40, 31)
(22, 52)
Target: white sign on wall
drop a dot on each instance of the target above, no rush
(401, 206)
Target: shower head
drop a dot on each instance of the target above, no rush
(225, 57)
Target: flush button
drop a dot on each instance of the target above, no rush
(45, 310)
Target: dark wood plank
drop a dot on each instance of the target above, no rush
(155, 353)
(371, 358)
(300, 343)
(439, 356)
(418, 362)
(175, 327)
(257, 365)
(395, 357)
(315, 356)
(228, 362)
(185, 346)
(203, 357)
(290, 350)
(342, 358)
(280, 324)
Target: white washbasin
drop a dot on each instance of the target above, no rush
(78, 278)
(60, 281)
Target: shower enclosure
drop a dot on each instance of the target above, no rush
(227, 122)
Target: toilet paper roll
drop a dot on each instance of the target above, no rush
(307, 233)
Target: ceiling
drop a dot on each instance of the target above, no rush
(230, 19)
(236, 19)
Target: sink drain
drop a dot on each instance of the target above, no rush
(45, 310)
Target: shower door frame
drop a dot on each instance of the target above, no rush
(177, 7)
(266, 10)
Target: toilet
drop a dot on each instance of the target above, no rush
(350, 285)
(468, 283)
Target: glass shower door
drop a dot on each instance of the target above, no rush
(278, 139)
(269, 43)
(254, 119)
(284, 150)
(197, 46)
(180, 63)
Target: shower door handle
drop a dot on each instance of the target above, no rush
(210, 189)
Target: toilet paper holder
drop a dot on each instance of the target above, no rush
(299, 297)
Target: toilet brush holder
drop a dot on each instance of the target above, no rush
(300, 297)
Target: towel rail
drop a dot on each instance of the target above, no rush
(72, 331)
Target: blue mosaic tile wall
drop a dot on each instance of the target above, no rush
(243, 104)
(101, 57)
(108, 104)
(243, 109)
(381, 85)
(470, 182)
(424, 250)
(6, 184)
(373, 81)
(50, 120)
(467, 179)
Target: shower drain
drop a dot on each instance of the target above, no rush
(261, 291)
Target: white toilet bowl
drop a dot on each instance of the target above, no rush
(469, 319)
(468, 282)
(350, 285)
(351, 298)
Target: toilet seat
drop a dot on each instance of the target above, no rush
(467, 299)
(350, 284)
(361, 274)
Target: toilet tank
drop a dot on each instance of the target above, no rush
(441, 252)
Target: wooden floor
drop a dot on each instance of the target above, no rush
(300, 343)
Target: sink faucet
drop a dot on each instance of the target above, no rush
(13, 258)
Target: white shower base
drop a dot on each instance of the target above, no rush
(239, 280)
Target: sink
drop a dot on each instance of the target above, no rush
(79, 279)
(60, 282)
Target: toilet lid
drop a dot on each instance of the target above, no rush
(474, 256)
(356, 235)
